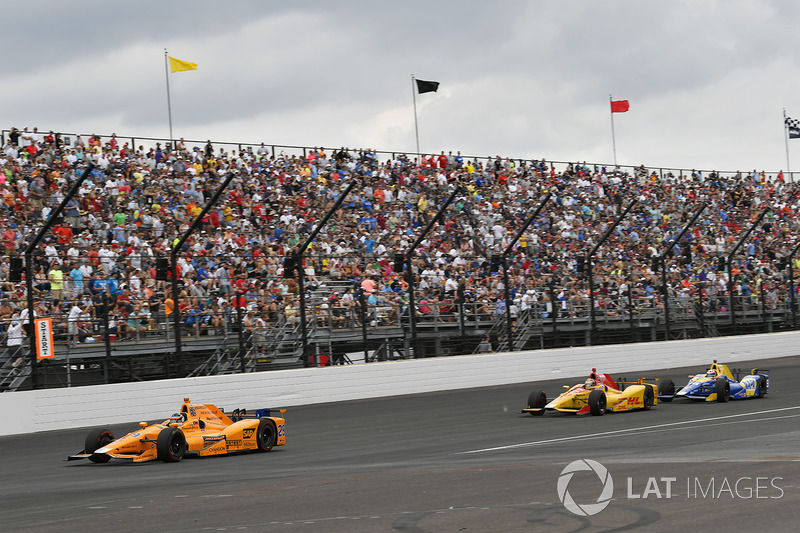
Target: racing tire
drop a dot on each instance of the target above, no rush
(537, 400)
(597, 402)
(266, 435)
(648, 398)
(762, 387)
(666, 388)
(171, 445)
(723, 390)
(97, 438)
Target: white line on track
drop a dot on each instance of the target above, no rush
(619, 431)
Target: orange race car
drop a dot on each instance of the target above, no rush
(201, 429)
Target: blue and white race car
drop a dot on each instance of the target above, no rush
(718, 384)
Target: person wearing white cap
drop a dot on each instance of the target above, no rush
(14, 342)
(527, 299)
(15, 334)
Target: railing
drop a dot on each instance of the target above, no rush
(275, 150)
(85, 344)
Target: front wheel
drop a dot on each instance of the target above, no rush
(537, 400)
(266, 435)
(723, 390)
(171, 445)
(597, 402)
(666, 388)
(96, 439)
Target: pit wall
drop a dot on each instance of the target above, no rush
(53, 409)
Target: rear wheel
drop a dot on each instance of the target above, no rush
(723, 390)
(648, 397)
(171, 445)
(666, 388)
(96, 439)
(266, 435)
(597, 402)
(537, 400)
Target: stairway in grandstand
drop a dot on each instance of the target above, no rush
(224, 359)
(524, 328)
(324, 291)
(12, 377)
(284, 346)
(389, 350)
(283, 349)
(707, 327)
(522, 331)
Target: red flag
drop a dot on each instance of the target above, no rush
(620, 106)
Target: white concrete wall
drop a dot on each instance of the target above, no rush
(51, 409)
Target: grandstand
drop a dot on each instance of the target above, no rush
(286, 256)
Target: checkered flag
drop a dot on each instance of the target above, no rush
(793, 125)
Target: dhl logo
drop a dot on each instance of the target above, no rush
(631, 401)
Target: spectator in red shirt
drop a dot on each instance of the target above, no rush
(64, 234)
(9, 240)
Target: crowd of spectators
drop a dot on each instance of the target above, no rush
(137, 202)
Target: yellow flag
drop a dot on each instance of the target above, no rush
(176, 65)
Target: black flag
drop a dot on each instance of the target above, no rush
(427, 86)
(794, 127)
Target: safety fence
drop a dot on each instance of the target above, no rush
(102, 345)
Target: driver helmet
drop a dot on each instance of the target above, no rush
(711, 373)
(590, 383)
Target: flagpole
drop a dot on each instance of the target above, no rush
(169, 104)
(786, 141)
(416, 126)
(613, 137)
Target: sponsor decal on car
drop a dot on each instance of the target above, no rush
(634, 401)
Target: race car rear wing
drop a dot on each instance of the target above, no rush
(640, 381)
(242, 414)
(739, 371)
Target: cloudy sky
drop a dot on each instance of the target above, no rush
(707, 80)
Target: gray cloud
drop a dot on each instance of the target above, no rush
(706, 80)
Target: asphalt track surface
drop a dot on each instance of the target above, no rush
(464, 461)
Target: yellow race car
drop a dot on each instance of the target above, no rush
(200, 429)
(597, 395)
